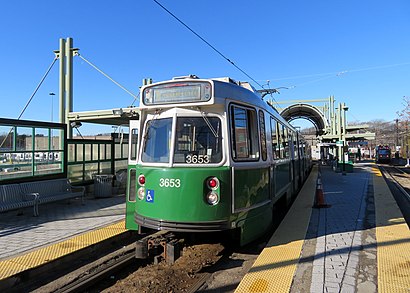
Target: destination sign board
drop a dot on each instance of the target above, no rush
(177, 93)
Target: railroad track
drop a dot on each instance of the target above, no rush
(400, 178)
(91, 273)
(398, 181)
(94, 275)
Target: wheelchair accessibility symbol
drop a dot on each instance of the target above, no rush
(150, 196)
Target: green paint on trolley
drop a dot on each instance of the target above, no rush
(179, 194)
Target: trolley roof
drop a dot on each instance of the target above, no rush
(222, 88)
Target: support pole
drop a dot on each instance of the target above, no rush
(333, 115)
(61, 91)
(62, 81)
(343, 162)
(69, 84)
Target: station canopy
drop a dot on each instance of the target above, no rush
(116, 116)
(308, 112)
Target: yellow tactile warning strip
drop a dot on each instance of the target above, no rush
(41, 256)
(393, 240)
(275, 267)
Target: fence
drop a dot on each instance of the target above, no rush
(31, 149)
(34, 150)
(90, 157)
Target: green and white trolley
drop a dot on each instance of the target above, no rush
(210, 155)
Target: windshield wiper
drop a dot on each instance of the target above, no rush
(152, 121)
(208, 123)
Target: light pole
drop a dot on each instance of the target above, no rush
(51, 94)
(344, 108)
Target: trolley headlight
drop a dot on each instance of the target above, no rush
(212, 198)
(141, 193)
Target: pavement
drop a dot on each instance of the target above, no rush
(20, 233)
(359, 243)
(344, 257)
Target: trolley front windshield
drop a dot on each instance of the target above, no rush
(197, 140)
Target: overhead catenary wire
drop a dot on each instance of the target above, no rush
(339, 73)
(322, 76)
(206, 42)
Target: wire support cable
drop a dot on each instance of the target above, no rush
(38, 86)
(107, 76)
(206, 42)
(31, 98)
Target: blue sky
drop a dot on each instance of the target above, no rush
(358, 51)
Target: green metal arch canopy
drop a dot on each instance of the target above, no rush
(308, 112)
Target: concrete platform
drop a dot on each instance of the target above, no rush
(61, 228)
(360, 243)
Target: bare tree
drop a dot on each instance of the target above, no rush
(402, 127)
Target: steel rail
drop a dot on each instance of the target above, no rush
(84, 277)
(386, 173)
(88, 275)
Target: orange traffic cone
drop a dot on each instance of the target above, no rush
(320, 198)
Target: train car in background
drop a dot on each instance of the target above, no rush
(210, 155)
(383, 154)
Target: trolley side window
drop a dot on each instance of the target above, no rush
(134, 144)
(244, 131)
(296, 145)
(286, 138)
(275, 141)
(302, 148)
(157, 141)
(262, 129)
(132, 179)
(198, 142)
(280, 141)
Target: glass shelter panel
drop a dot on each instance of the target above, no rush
(102, 151)
(107, 152)
(27, 150)
(118, 151)
(105, 168)
(55, 142)
(24, 139)
(79, 152)
(90, 169)
(42, 139)
(119, 165)
(92, 157)
(96, 154)
(7, 138)
(87, 152)
(71, 150)
(75, 173)
(124, 153)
